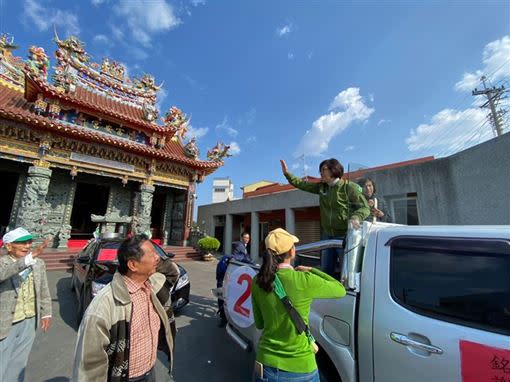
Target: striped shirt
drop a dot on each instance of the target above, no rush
(145, 324)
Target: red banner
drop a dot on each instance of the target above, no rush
(482, 363)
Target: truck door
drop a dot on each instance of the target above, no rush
(442, 306)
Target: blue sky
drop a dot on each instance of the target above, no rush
(371, 83)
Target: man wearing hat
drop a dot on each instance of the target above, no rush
(25, 302)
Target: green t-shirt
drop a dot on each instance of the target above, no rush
(280, 346)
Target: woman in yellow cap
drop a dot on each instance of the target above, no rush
(286, 352)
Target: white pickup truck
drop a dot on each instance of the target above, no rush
(423, 304)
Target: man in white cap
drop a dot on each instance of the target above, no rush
(25, 302)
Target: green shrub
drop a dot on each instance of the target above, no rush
(208, 244)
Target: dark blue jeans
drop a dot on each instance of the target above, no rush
(331, 256)
(272, 374)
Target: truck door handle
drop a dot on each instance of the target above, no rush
(405, 340)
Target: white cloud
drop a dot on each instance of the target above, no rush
(117, 32)
(197, 132)
(295, 166)
(161, 96)
(286, 29)
(102, 39)
(382, 120)
(351, 108)
(98, 2)
(290, 56)
(225, 126)
(251, 139)
(450, 131)
(196, 3)
(496, 65)
(44, 18)
(234, 148)
(147, 17)
(349, 148)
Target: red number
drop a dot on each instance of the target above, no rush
(238, 306)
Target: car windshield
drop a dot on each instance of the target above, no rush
(108, 251)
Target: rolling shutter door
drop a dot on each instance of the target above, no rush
(308, 231)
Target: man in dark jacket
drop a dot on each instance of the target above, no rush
(240, 249)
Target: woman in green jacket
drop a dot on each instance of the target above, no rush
(282, 353)
(340, 201)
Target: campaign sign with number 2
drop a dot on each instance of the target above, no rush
(238, 299)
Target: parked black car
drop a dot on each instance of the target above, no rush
(95, 265)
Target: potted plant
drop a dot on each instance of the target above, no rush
(207, 245)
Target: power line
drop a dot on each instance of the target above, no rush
(465, 142)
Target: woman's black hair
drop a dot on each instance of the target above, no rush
(268, 269)
(364, 180)
(130, 249)
(334, 166)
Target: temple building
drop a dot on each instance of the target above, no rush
(87, 141)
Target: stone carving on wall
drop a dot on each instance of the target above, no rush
(57, 200)
(17, 200)
(144, 210)
(33, 210)
(120, 201)
(63, 235)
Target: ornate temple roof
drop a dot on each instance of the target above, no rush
(14, 106)
(94, 102)
(85, 98)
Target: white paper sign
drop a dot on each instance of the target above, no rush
(238, 296)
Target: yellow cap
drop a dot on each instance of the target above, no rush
(280, 241)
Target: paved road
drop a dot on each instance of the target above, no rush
(203, 351)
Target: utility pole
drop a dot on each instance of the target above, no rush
(493, 96)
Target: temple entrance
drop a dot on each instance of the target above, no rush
(157, 213)
(88, 199)
(9, 185)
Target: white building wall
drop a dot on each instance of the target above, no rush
(223, 190)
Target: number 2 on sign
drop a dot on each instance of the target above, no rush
(238, 306)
